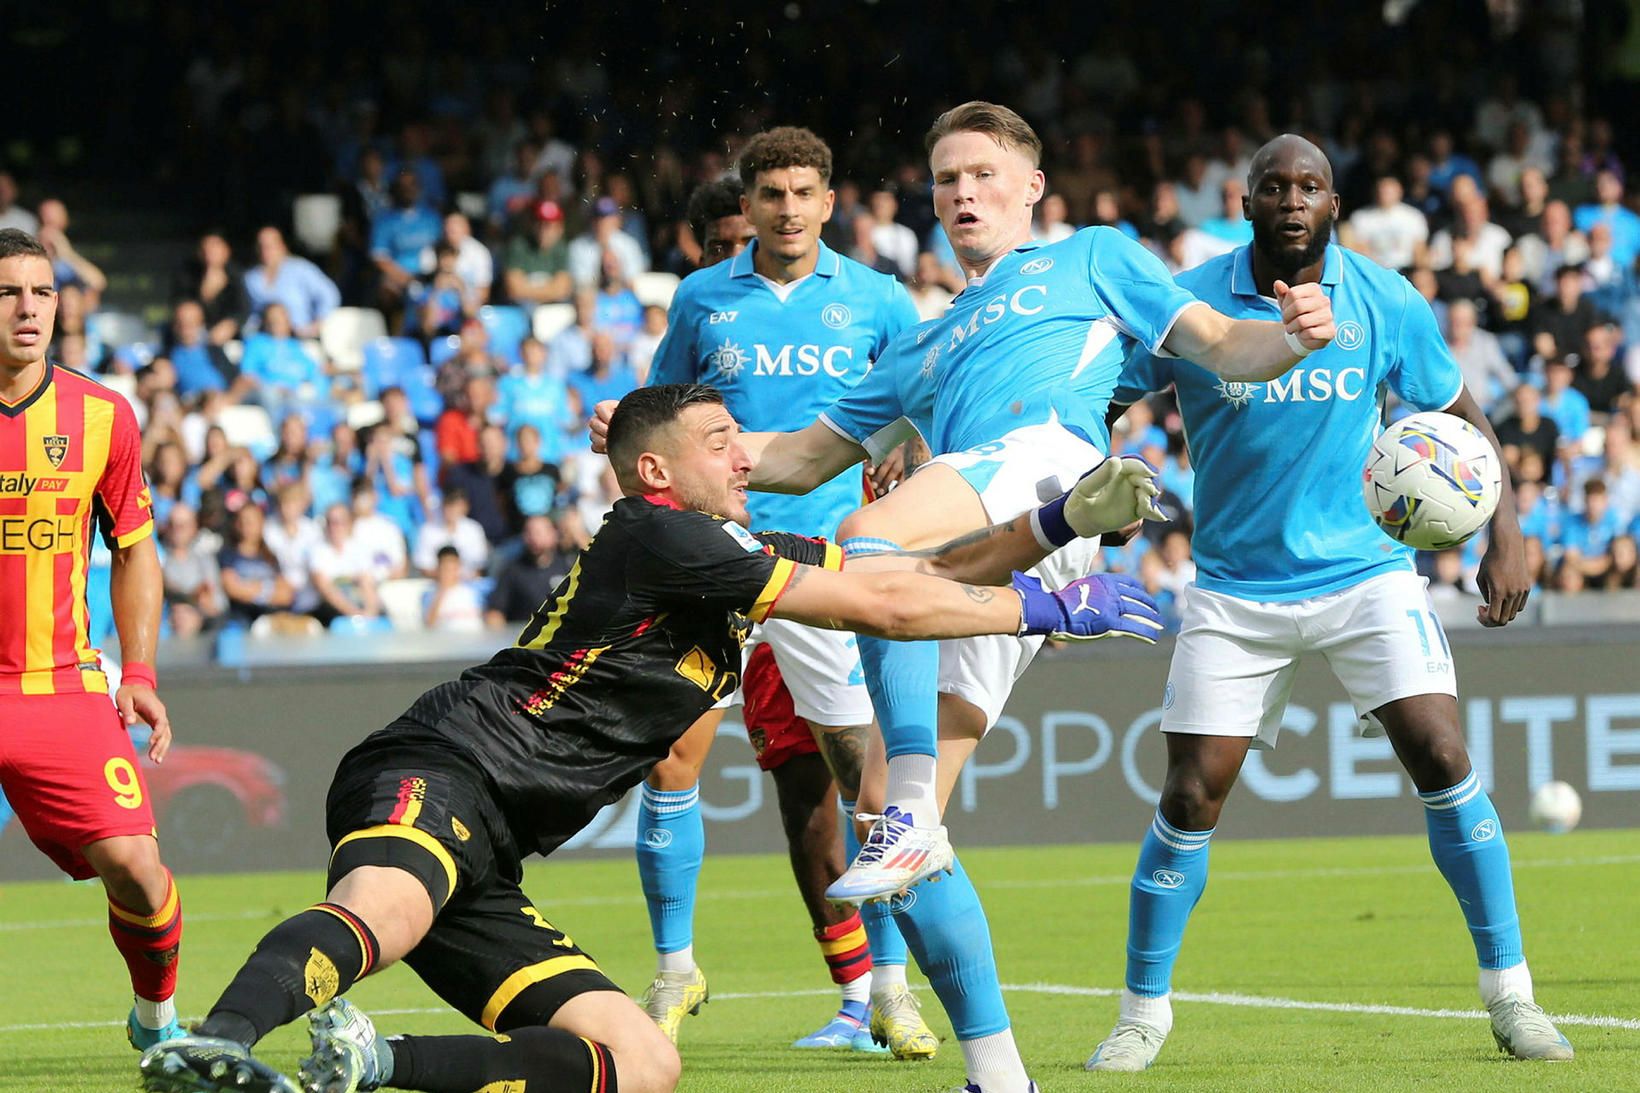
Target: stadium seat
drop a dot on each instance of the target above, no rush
(362, 415)
(316, 218)
(118, 329)
(359, 624)
(344, 332)
(136, 355)
(550, 320)
(404, 600)
(474, 204)
(508, 326)
(655, 288)
(250, 427)
(391, 362)
(442, 349)
(425, 401)
(121, 382)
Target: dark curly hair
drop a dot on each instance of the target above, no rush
(785, 146)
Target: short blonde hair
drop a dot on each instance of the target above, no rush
(995, 121)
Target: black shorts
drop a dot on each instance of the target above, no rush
(426, 810)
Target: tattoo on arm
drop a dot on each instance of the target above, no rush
(945, 552)
(844, 751)
(978, 594)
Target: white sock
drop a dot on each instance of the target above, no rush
(1156, 1012)
(886, 979)
(994, 1064)
(911, 781)
(681, 961)
(155, 1015)
(858, 989)
(1502, 982)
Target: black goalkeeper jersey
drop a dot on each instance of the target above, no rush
(641, 638)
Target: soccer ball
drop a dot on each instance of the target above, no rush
(1431, 481)
(1556, 807)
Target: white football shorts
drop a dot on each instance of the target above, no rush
(1234, 663)
(1031, 465)
(821, 669)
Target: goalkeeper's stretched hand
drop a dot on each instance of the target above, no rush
(1089, 608)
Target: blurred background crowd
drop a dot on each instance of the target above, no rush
(362, 293)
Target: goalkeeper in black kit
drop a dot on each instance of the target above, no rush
(431, 817)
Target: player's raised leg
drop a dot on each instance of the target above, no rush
(671, 845)
(1466, 840)
(908, 842)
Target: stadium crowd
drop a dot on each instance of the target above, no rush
(390, 425)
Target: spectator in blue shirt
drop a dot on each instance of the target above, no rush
(535, 394)
(512, 195)
(1564, 404)
(281, 371)
(200, 365)
(1446, 164)
(1586, 537)
(1608, 208)
(572, 347)
(608, 378)
(617, 310)
(291, 281)
(1539, 514)
(402, 239)
(1231, 225)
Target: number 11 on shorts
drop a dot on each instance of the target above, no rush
(1417, 618)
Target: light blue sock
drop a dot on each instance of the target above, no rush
(902, 676)
(945, 927)
(670, 847)
(1167, 884)
(882, 933)
(1466, 841)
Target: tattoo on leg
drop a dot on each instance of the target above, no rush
(844, 750)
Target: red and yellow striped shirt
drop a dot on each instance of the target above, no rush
(69, 451)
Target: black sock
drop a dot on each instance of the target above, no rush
(536, 1057)
(302, 963)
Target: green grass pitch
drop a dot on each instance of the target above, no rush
(1310, 965)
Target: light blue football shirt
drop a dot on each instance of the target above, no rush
(781, 359)
(1279, 514)
(1043, 334)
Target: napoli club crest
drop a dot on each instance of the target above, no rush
(56, 447)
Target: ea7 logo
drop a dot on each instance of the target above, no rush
(1485, 831)
(1167, 878)
(723, 317)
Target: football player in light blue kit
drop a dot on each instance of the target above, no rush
(783, 329)
(1009, 388)
(1288, 562)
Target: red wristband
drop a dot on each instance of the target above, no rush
(134, 673)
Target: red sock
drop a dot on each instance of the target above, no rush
(149, 943)
(845, 948)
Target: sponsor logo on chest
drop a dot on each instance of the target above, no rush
(23, 485)
(730, 359)
(1298, 385)
(1024, 302)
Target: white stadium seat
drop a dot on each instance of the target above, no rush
(655, 288)
(550, 320)
(249, 427)
(344, 331)
(404, 600)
